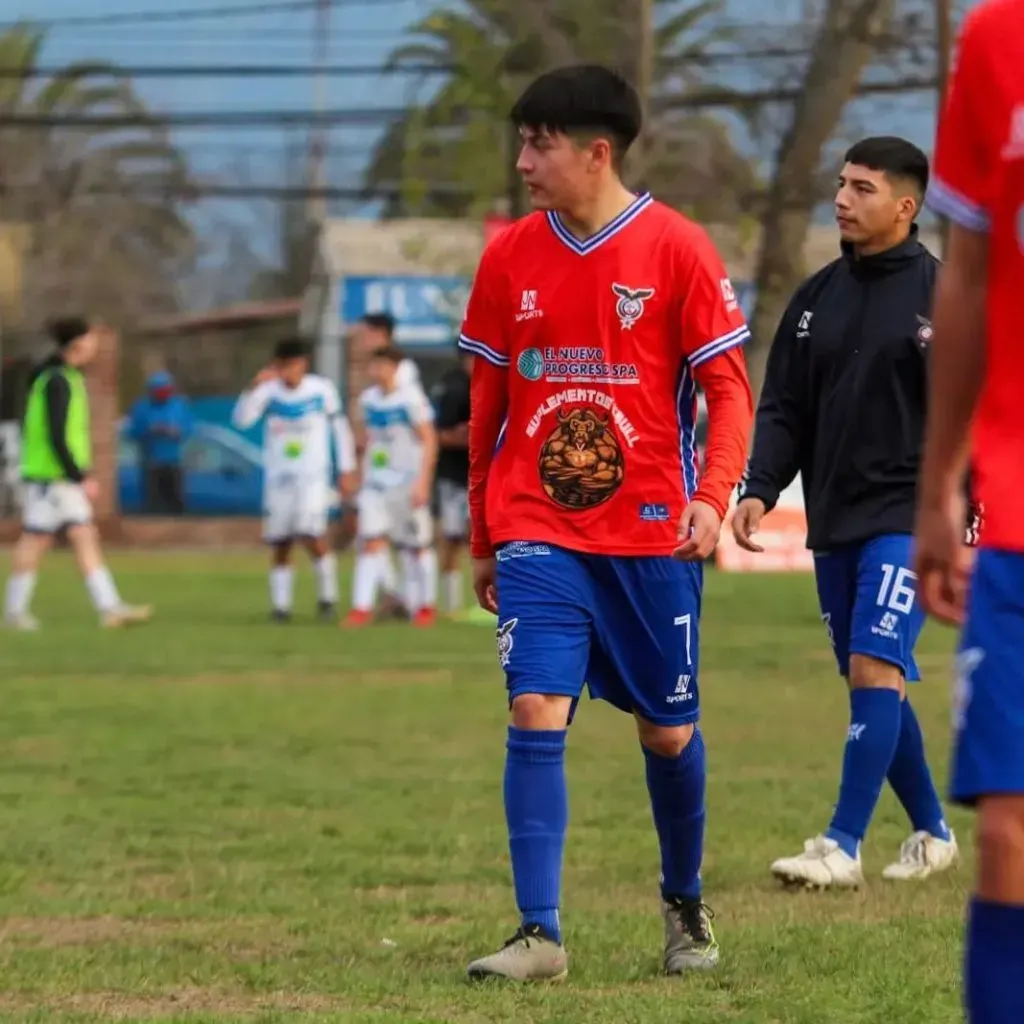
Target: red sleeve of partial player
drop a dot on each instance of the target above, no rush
(730, 421)
(488, 403)
(964, 155)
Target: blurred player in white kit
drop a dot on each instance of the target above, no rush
(400, 457)
(371, 332)
(302, 416)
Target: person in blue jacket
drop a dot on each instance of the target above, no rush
(160, 423)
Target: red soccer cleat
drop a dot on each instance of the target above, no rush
(357, 619)
(425, 617)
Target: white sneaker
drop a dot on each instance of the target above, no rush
(126, 615)
(23, 623)
(822, 865)
(922, 855)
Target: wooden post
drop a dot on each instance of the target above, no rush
(101, 380)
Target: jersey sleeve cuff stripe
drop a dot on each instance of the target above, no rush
(740, 336)
(957, 207)
(478, 348)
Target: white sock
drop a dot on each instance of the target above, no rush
(282, 584)
(427, 559)
(453, 595)
(368, 574)
(327, 579)
(411, 582)
(103, 590)
(18, 594)
(388, 576)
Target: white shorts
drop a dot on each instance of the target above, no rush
(390, 514)
(292, 512)
(48, 508)
(453, 510)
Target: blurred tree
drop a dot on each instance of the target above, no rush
(460, 136)
(102, 233)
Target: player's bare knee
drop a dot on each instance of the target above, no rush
(281, 554)
(540, 711)
(664, 740)
(29, 550)
(85, 542)
(1000, 841)
(316, 547)
(867, 673)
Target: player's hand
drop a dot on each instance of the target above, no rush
(348, 484)
(485, 571)
(420, 494)
(699, 529)
(91, 488)
(746, 520)
(941, 561)
(267, 373)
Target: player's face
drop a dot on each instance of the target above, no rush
(82, 350)
(366, 338)
(383, 372)
(868, 209)
(293, 370)
(557, 171)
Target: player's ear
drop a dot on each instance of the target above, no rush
(908, 207)
(601, 154)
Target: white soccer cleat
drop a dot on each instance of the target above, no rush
(922, 855)
(23, 623)
(126, 615)
(822, 865)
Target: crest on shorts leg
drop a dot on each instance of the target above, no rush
(505, 641)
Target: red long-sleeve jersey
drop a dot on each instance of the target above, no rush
(583, 402)
(979, 184)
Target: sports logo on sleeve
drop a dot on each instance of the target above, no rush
(630, 306)
(580, 462)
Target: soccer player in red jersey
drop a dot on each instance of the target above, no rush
(593, 320)
(976, 407)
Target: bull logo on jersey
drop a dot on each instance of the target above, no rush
(581, 462)
(630, 306)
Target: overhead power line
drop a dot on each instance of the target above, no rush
(213, 13)
(702, 99)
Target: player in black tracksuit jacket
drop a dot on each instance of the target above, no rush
(843, 405)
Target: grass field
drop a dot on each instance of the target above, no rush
(217, 819)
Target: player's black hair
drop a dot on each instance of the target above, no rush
(584, 99)
(292, 348)
(381, 322)
(67, 329)
(901, 161)
(391, 353)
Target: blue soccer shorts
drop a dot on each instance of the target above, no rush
(627, 627)
(988, 696)
(868, 598)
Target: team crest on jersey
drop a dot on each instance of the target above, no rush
(505, 641)
(630, 306)
(924, 331)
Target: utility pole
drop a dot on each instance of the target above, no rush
(645, 57)
(317, 203)
(943, 56)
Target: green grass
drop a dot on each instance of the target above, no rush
(218, 819)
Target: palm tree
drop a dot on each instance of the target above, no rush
(459, 138)
(96, 204)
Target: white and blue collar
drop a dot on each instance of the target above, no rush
(610, 230)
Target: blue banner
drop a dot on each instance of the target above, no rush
(428, 311)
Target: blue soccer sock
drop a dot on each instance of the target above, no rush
(537, 811)
(676, 785)
(870, 745)
(911, 779)
(994, 963)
